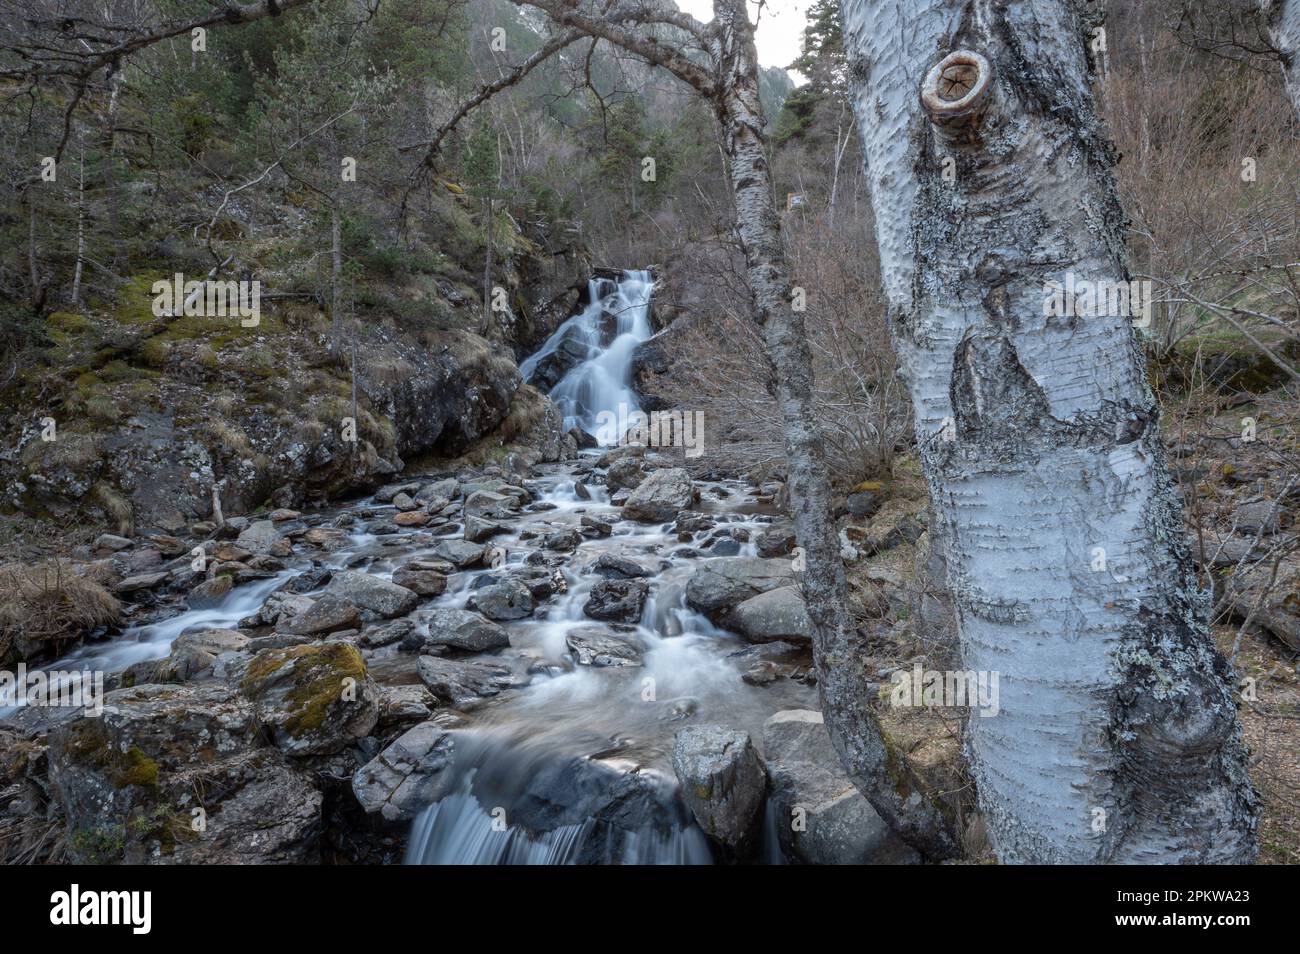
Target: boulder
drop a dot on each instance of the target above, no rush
(464, 630)
(411, 518)
(626, 473)
(371, 593)
(661, 496)
(506, 600)
(464, 684)
(406, 777)
(778, 614)
(723, 784)
(1273, 601)
(616, 566)
(460, 553)
(594, 646)
(562, 540)
(134, 783)
(478, 530)
(719, 586)
(836, 824)
(209, 593)
(617, 601)
(420, 580)
(259, 537)
(329, 614)
(317, 699)
(402, 705)
(775, 542)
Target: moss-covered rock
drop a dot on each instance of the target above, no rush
(180, 774)
(317, 699)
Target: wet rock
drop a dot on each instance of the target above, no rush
(485, 503)
(478, 530)
(692, 523)
(506, 600)
(128, 782)
(405, 777)
(404, 502)
(447, 489)
(372, 593)
(723, 784)
(597, 526)
(619, 453)
(562, 540)
(283, 605)
(388, 634)
(541, 581)
(724, 547)
(464, 630)
(420, 578)
(402, 705)
(625, 474)
(329, 614)
(839, 826)
(617, 601)
(463, 684)
(579, 490)
(141, 581)
(326, 538)
(582, 440)
(778, 614)
(412, 518)
(661, 496)
(594, 646)
(775, 542)
(209, 593)
(761, 674)
(618, 566)
(258, 537)
(316, 699)
(718, 586)
(460, 553)
(619, 498)
(389, 492)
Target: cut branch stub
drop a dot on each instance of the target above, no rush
(955, 92)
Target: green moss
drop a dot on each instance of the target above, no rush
(318, 677)
(134, 768)
(98, 846)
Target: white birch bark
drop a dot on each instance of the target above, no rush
(1283, 18)
(1116, 739)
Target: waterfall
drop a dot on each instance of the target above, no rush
(594, 349)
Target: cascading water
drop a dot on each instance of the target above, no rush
(574, 767)
(601, 338)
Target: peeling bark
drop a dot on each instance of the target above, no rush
(1283, 18)
(1116, 739)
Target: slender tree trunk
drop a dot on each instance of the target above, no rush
(336, 251)
(33, 256)
(81, 227)
(487, 266)
(843, 681)
(1116, 739)
(1284, 30)
(109, 172)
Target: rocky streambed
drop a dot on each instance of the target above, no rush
(598, 661)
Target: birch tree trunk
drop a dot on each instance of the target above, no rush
(1283, 17)
(1116, 739)
(843, 682)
